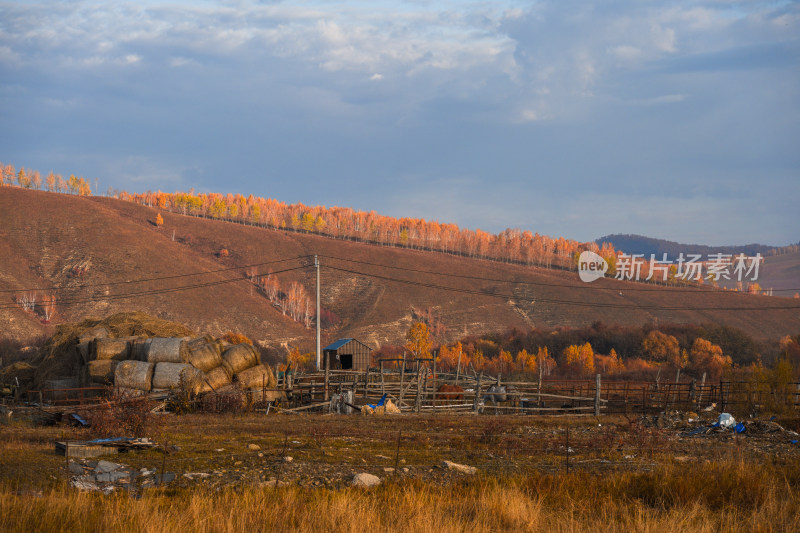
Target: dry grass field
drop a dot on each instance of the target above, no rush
(533, 474)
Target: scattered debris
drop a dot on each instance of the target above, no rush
(365, 480)
(106, 477)
(726, 420)
(98, 447)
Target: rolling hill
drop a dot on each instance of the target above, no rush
(102, 255)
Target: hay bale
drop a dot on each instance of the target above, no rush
(159, 350)
(85, 339)
(256, 377)
(101, 371)
(134, 375)
(203, 354)
(240, 357)
(60, 356)
(174, 375)
(215, 379)
(116, 349)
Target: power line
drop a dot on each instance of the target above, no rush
(153, 292)
(556, 301)
(160, 278)
(581, 286)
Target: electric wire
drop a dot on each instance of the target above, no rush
(583, 286)
(562, 302)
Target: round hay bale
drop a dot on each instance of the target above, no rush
(101, 371)
(139, 349)
(256, 377)
(134, 375)
(116, 349)
(240, 357)
(203, 355)
(175, 375)
(85, 340)
(216, 379)
(160, 350)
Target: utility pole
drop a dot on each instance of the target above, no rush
(316, 266)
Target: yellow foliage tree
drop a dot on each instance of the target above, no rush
(159, 220)
(418, 340)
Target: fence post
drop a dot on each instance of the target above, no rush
(702, 386)
(402, 378)
(434, 382)
(477, 393)
(327, 375)
(597, 395)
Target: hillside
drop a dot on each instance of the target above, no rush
(86, 246)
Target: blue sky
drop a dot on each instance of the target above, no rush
(677, 119)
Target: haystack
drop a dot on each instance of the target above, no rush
(256, 377)
(134, 375)
(240, 357)
(160, 350)
(60, 356)
(116, 349)
(203, 353)
(175, 375)
(101, 371)
(85, 339)
(216, 379)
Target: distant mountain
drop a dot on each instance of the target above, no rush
(639, 244)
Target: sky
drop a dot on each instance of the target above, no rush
(673, 119)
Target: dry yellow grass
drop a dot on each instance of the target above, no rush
(714, 487)
(718, 497)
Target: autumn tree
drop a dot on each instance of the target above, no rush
(23, 179)
(159, 220)
(418, 340)
(659, 346)
(708, 357)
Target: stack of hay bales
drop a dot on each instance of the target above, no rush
(162, 363)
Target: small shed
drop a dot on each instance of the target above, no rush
(347, 354)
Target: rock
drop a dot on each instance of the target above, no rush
(388, 469)
(464, 469)
(365, 480)
(288, 459)
(253, 447)
(106, 466)
(75, 468)
(260, 454)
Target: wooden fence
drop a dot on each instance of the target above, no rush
(415, 390)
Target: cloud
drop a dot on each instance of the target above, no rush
(484, 102)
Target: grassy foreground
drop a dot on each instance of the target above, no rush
(725, 496)
(674, 484)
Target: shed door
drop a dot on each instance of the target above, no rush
(347, 361)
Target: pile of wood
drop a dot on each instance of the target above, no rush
(199, 365)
